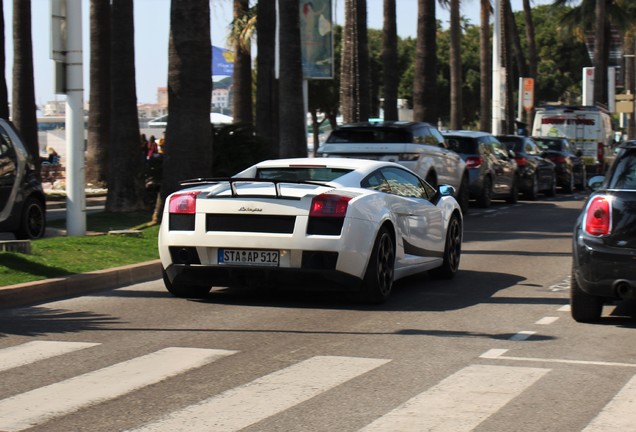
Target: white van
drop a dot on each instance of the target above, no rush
(588, 129)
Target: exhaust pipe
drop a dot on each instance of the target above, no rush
(624, 289)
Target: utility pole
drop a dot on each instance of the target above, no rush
(496, 69)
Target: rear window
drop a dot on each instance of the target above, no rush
(548, 144)
(624, 173)
(462, 144)
(358, 135)
(302, 173)
(512, 144)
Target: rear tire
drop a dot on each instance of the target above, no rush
(378, 279)
(551, 191)
(32, 220)
(463, 198)
(513, 198)
(484, 199)
(569, 186)
(584, 307)
(452, 250)
(532, 192)
(185, 291)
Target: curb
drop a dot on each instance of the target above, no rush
(76, 285)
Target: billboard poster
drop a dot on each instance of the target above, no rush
(222, 61)
(316, 28)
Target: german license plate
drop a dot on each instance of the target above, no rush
(254, 257)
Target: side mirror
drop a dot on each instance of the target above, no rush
(595, 182)
(446, 190)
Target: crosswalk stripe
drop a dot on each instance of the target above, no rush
(32, 352)
(619, 414)
(40, 405)
(242, 406)
(461, 401)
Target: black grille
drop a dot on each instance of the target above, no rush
(184, 255)
(181, 222)
(250, 223)
(317, 260)
(325, 225)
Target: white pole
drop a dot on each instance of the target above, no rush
(75, 169)
(496, 70)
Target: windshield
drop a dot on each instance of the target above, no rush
(321, 174)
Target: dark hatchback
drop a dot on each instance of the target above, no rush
(22, 200)
(569, 166)
(536, 173)
(604, 244)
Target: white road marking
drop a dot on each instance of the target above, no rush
(32, 352)
(522, 335)
(547, 320)
(619, 414)
(461, 401)
(565, 308)
(498, 354)
(242, 406)
(37, 406)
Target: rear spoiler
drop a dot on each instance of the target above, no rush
(233, 180)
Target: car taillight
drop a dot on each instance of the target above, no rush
(184, 202)
(327, 205)
(558, 159)
(598, 217)
(599, 151)
(521, 161)
(474, 161)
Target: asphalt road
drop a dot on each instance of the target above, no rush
(492, 350)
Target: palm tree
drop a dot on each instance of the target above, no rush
(532, 48)
(389, 61)
(266, 89)
(455, 66)
(98, 135)
(188, 145)
(601, 28)
(125, 189)
(293, 139)
(485, 91)
(425, 77)
(242, 77)
(23, 94)
(4, 94)
(354, 78)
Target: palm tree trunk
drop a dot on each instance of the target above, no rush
(425, 79)
(4, 94)
(389, 61)
(485, 90)
(242, 82)
(600, 55)
(23, 99)
(125, 188)
(455, 66)
(293, 139)
(188, 144)
(99, 115)
(266, 89)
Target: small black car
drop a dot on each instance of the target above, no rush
(536, 173)
(22, 200)
(569, 166)
(604, 243)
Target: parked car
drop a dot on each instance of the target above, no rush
(418, 146)
(22, 199)
(536, 173)
(492, 169)
(604, 242)
(350, 223)
(569, 167)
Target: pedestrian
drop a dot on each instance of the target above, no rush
(153, 148)
(144, 145)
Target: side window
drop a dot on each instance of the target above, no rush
(436, 137)
(403, 183)
(499, 149)
(8, 157)
(377, 182)
(529, 148)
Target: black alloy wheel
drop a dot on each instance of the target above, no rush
(32, 220)
(378, 279)
(452, 250)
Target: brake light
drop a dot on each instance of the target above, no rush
(598, 217)
(327, 205)
(521, 161)
(599, 151)
(184, 202)
(474, 161)
(558, 159)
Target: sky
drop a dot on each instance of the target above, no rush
(152, 23)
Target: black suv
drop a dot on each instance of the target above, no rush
(22, 200)
(492, 169)
(604, 244)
